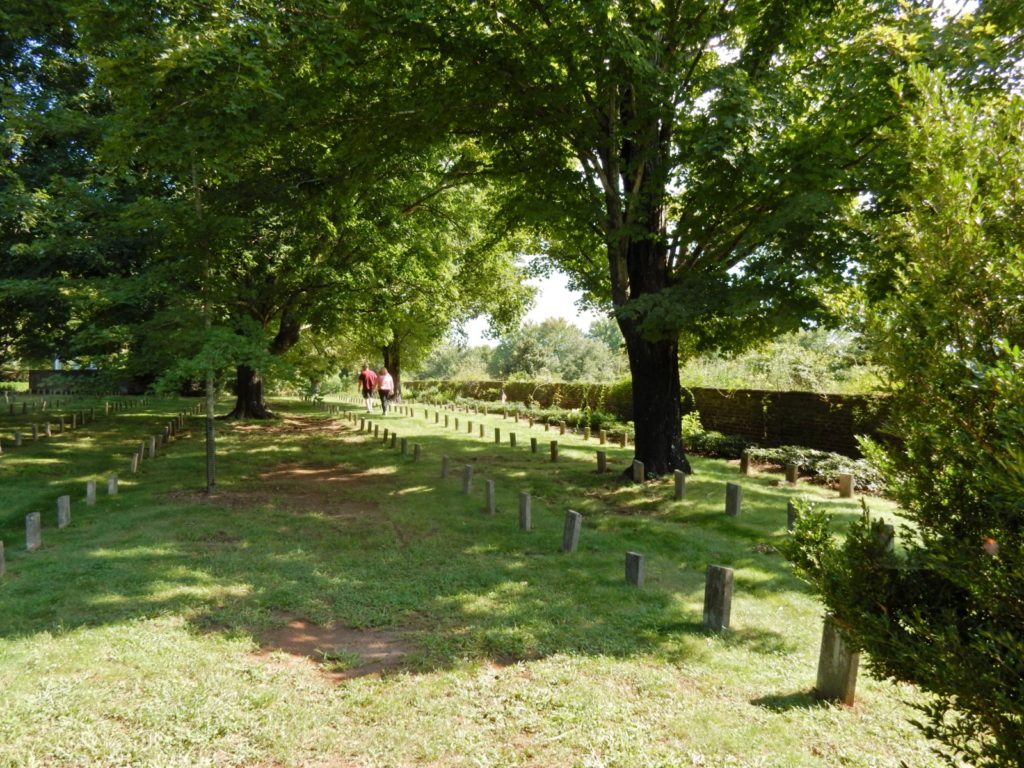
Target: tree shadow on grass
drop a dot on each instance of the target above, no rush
(365, 547)
(785, 702)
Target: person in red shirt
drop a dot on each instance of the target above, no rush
(367, 383)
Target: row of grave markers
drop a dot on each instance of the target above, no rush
(837, 662)
(34, 520)
(67, 423)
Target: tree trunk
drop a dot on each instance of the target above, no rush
(640, 268)
(393, 362)
(249, 393)
(654, 368)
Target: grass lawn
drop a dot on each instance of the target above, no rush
(339, 604)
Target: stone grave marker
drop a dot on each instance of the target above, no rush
(135, 463)
(17, 439)
(571, 531)
(636, 569)
(638, 471)
(792, 471)
(733, 499)
(481, 430)
(586, 433)
(525, 514)
(112, 485)
(680, 478)
(35, 432)
(444, 466)
(717, 598)
(554, 450)
(622, 440)
(416, 451)
(49, 431)
(467, 478)
(489, 495)
(511, 439)
(394, 440)
(837, 667)
(152, 447)
(497, 436)
(602, 462)
(63, 511)
(33, 531)
(533, 445)
(845, 485)
(405, 446)
(602, 437)
(90, 493)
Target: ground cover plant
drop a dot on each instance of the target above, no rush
(338, 603)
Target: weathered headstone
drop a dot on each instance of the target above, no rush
(512, 439)
(638, 471)
(63, 511)
(571, 531)
(602, 462)
(90, 492)
(33, 531)
(602, 436)
(405, 446)
(489, 495)
(35, 432)
(845, 485)
(837, 667)
(497, 436)
(717, 598)
(135, 463)
(467, 478)
(622, 440)
(444, 466)
(469, 427)
(586, 433)
(362, 425)
(744, 464)
(456, 423)
(437, 416)
(525, 513)
(394, 440)
(547, 426)
(733, 499)
(48, 430)
(792, 471)
(387, 434)
(446, 421)
(680, 478)
(561, 427)
(112, 485)
(152, 447)
(533, 445)
(376, 431)
(554, 450)
(636, 569)
(17, 439)
(417, 451)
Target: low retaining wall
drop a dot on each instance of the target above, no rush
(822, 421)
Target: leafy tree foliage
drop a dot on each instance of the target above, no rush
(947, 610)
(690, 163)
(553, 349)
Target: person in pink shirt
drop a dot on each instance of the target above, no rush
(386, 388)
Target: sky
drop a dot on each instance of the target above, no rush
(554, 299)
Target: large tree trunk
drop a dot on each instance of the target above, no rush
(249, 393)
(654, 368)
(640, 268)
(393, 362)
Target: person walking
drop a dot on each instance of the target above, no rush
(386, 387)
(367, 383)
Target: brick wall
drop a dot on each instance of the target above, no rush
(824, 422)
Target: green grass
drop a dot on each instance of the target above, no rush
(131, 637)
